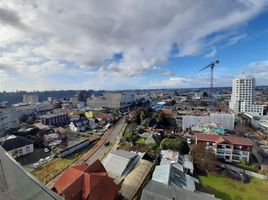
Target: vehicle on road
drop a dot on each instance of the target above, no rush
(107, 143)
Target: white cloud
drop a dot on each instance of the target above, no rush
(259, 70)
(36, 35)
(212, 53)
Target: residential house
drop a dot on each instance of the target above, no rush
(86, 182)
(17, 146)
(151, 138)
(173, 175)
(159, 191)
(79, 125)
(229, 148)
(120, 162)
(104, 117)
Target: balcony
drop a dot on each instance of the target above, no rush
(236, 152)
(228, 151)
(220, 151)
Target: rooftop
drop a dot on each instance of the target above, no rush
(235, 140)
(86, 182)
(14, 142)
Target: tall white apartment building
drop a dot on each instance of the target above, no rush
(243, 96)
(30, 98)
(8, 119)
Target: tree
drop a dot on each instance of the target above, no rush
(176, 144)
(183, 147)
(203, 158)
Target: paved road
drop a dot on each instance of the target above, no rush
(99, 150)
(112, 137)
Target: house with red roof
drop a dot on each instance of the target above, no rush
(229, 148)
(86, 182)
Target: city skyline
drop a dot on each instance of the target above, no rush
(130, 45)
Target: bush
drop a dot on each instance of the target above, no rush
(177, 144)
(140, 141)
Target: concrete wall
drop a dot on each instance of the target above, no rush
(225, 120)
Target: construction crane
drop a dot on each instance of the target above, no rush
(211, 65)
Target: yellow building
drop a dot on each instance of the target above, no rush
(89, 114)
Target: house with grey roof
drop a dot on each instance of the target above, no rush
(17, 146)
(173, 175)
(16, 183)
(159, 191)
(120, 162)
(151, 138)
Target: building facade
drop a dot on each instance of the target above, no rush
(55, 119)
(228, 148)
(8, 119)
(30, 98)
(243, 98)
(112, 100)
(224, 120)
(17, 146)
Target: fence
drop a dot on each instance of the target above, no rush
(253, 174)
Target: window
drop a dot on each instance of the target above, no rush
(28, 149)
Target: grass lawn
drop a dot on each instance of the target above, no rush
(50, 170)
(228, 189)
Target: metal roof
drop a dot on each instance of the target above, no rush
(124, 154)
(159, 191)
(119, 161)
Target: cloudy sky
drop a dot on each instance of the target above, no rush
(106, 44)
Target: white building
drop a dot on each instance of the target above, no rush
(243, 96)
(17, 146)
(112, 100)
(229, 148)
(30, 98)
(8, 119)
(223, 120)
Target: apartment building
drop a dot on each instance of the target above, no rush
(55, 119)
(30, 98)
(228, 148)
(8, 119)
(243, 98)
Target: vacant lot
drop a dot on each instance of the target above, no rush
(229, 189)
(50, 170)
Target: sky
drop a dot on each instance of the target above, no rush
(133, 44)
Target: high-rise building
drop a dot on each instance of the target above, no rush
(30, 98)
(243, 96)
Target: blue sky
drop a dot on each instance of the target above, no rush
(64, 44)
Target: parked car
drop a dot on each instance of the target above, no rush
(36, 165)
(46, 150)
(42, 161)
(48, 158)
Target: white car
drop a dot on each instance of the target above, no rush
(36, 165)
(46, 150)
(42, 161)
(189, 141)
(48, 158)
